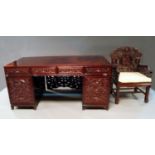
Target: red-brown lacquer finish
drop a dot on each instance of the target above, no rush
(95, 70)
(96, 92)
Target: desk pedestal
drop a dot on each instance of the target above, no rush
(96, 90)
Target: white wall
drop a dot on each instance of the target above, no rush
(12, 48)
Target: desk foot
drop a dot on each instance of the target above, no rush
(95, 107)
(35, 107)
(12, 107)
(83, 108)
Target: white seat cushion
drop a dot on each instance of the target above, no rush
(133, 77)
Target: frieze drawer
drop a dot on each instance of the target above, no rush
(17, 70)
(68, 70)
(47, 70)
(97, 70)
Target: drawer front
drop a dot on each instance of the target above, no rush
(17, 70)
(98, 70)
(21, 90)
(43, 70)
(70, 70)
(96, 91)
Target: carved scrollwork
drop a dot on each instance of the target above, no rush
(144, 69)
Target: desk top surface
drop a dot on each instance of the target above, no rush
(60, 60)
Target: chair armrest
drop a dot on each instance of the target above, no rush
(144, 69)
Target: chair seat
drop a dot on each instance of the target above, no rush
(133, 77)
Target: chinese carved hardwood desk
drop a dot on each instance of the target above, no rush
(25, 78)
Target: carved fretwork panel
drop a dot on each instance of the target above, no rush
(74, 82)
(20, 90)
(96, 90)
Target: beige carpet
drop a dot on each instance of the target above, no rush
(131, 106)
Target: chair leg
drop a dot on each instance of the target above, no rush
(146, 99)
(112, 90)
(135, 89)
(117, 95)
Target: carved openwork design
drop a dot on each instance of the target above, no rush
(96, 90)
(20, 90)
(126, 58)
(144, 69)
(63, 81)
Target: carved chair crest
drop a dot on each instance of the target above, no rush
(126, 59)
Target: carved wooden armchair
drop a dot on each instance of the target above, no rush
(129, 74)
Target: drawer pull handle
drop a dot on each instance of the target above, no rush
(105, 74)
(22, 81)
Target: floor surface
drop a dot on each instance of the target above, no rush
(131, 106)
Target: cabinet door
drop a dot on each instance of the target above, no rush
(96, 91)
(21, 91)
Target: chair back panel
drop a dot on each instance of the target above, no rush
(126, 59)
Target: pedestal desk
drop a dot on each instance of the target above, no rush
(25, 76)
